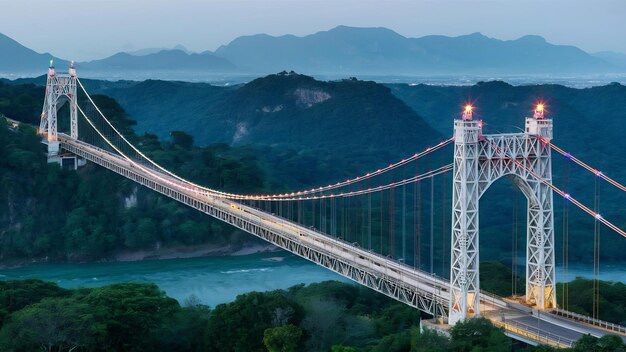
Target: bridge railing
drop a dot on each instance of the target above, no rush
(589, 320)
(493, 299)
(534, 334)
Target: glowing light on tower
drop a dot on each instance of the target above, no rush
(467, 112)
(72, 70)
(51, 70)
(539, 110)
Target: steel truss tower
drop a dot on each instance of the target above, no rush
(480, 160)
(60, 88)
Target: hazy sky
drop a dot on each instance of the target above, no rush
(89, 29)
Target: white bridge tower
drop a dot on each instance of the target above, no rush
(479, 160)
(60, 88)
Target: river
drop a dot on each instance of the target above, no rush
(213, 280)
(216, 280)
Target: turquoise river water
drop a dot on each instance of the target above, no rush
(217, 280)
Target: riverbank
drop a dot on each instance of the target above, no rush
(203, 250)
(175, 252)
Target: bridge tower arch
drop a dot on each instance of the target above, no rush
(60, 88)
(480, 160)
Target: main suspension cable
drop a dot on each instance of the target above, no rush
(416, 178)
(277, 197)
(561, 193)
(584, 165)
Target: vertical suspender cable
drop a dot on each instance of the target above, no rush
(599, 259)
(360, 208)
(596, 254)
(432, 225)
(404, 224)
(514, 248)
(346, 217)
(392, 217)
(361, 205)
(565, 287)
(414, 213)
(443, 224)
(313, 215)
(369, 220)
(344, 223)
(594, 312)
(322, 211)
(382, 193)
(333, 218)
(418, 226)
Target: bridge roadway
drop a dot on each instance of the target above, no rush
(416, 288)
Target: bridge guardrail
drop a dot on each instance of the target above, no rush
(493, 299)
(534, 333)
(589, 320)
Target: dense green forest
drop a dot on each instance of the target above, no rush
(327, 316)
(59, 215)
(577, 296)
(345, 119)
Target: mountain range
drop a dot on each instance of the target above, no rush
(342, 51)
(174, 59)
(17, 58)
(347, 50)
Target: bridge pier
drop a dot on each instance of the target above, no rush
(65, 159)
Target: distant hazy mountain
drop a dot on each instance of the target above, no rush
(20, 60)
(382, 51)
(176, 60)
(148, 51)
(616, 59)
(342, 51)
(16, 58)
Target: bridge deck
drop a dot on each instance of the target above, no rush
(419, 289)
(416, 288)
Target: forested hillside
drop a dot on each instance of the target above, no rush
(334, 121)
(51, 214)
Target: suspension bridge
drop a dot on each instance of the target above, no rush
(369, 228)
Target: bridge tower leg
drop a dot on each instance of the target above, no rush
(540, 271)
(479, 160)
(60, 88)
(464, 276)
